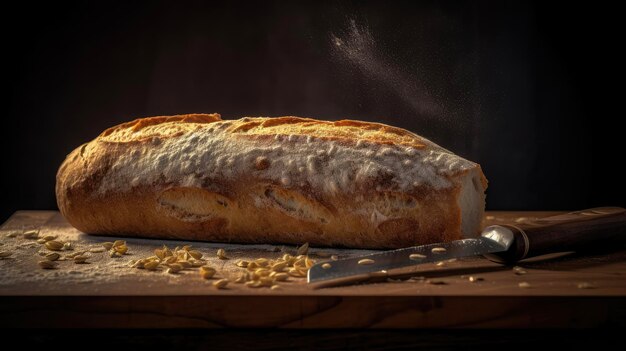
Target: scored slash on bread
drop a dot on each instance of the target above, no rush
(270, 180)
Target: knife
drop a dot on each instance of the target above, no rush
(505, 243)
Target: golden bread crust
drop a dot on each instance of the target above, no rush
(267, 180)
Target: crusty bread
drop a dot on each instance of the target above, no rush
(270, 180)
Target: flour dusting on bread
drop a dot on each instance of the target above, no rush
(222, 149)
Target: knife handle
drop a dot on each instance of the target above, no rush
(574, 231)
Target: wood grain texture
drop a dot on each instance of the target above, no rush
(123, 297)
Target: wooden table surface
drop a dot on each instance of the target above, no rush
(106, 292)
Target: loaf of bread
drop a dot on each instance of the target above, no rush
(270, 180)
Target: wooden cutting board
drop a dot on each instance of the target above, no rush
(565, 291)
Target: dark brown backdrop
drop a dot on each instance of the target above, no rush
(522, 88)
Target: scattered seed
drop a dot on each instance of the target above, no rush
(119, 243)
(54, 245)
(5, 254)
(262, 262)
(275, 287)
(221, 254)
(378, 274)
(334, 257)
(151, 266)
(174, 268)
(519, 270)
(524, 285)
(159, 253)
(585, 285)
(304, 249)
(242, 263)
(170, 259)
(49, 237)
(416, 256)
(74, 254)
(198, 263)
(438, 250)
(281, 277)
(490, 218)
(41, 241)
(366, 261)
(107, 245)
(326, 265)
(279, 267)
(31, 234)
(45, 264)
(241, 279)
(254, 284)
(185, 264)
(120, 249)
(114, 254)
(12, 234)
(221, 284)
(96, 249)
(441, 263)
(53, 256)
(475, 279)
(207, 272)
(81, 259)
(68, 246)
(195, 254)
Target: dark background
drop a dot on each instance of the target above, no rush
(528, 90)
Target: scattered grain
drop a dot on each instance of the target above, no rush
(221, 284)
(524, 285)
(12, 234)
(438, 250)
(81, 259)
(519, 270)
(53, 256)
(281, 277)
(5, 254)
(96, 249)
(151, 265)
(475, 279)
(207, 272)
(221, 254)
(45, 264)
(185, 264)
(31, 234)
(174, 268)
(585, 285)
(195, 254)
(326, 265)
(366, 261)
(304, 249)
(416, 257)
(54, 245)
(107, 245)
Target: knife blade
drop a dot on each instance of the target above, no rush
(506, 243)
